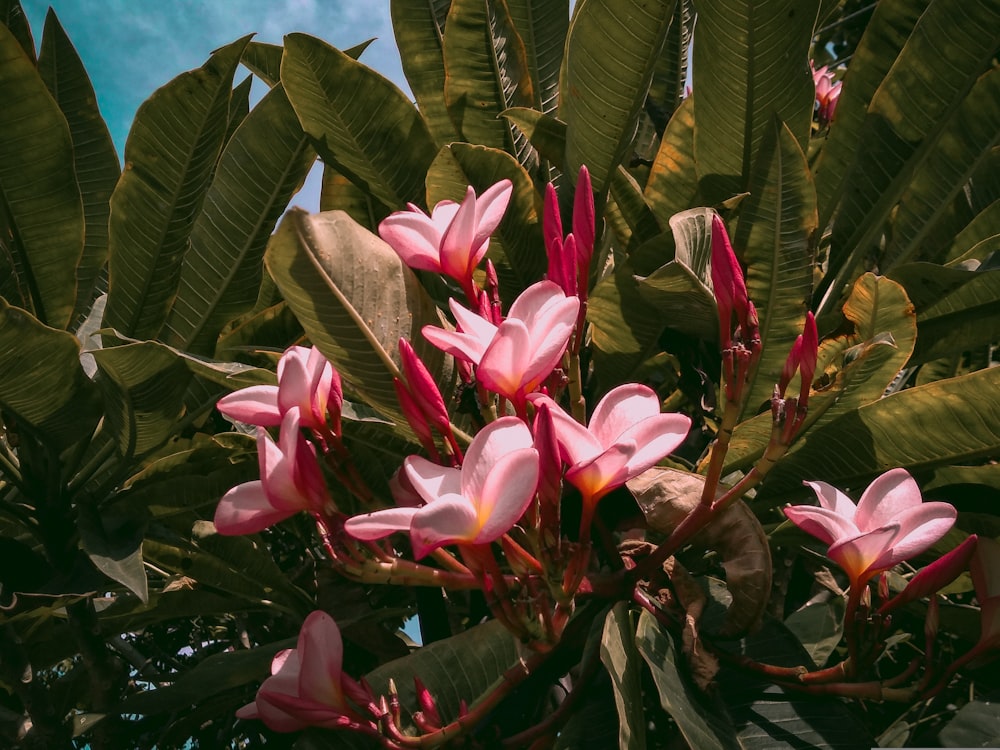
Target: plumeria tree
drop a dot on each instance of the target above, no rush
(643, 363)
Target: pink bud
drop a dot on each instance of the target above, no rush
(552, 231)
(791, 365)
(415, 417)
(935, 576)
(584, 222)
(809, 357)
(427, 703)
(727, 282)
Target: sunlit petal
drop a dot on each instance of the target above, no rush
(822, 523)
(886, 498)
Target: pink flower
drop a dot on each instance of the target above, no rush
(307, 686)
(827, 95)
(888, 525)
(454, 238)
(305, 380)
(515, 357)
(626, 435)
(472, 505)
(290, 481)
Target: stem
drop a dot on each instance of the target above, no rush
(577, 403)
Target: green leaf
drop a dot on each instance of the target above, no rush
(681, 289)
(819, 626)
(42, 382)
(144, 385)
(621, 658)
(542, 26)
(261, 168)
(703, 725)
(774, 239)
(941, 423)
(520, 232)
(890, 26)
(743, 80)
(673, 179)
(627, 195)
(170, 157)
(116, 552)
(39, 186)
(356, 299)
(984, 226)
(94, 157)
(360, 119)
(666, 90)
(546, 133)
(611, 53)
(264, 61)
(967, 138)
(486, 73)
(419, 30)
(976, 724)
(13, 17)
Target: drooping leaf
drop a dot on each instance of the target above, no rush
(360, 119)
(703, 723)
(144, 385)
(520, 231)
(681, 289)
(42, 382)
(355, 298)
(774, 240)
(418, 27)
(262, 166)
(94, 157)
(170, 156)
(744, 80)
(610, 57)
(620, 657)
(40, 190)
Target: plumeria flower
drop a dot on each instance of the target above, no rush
(827, 94)
(890, 523)
(513, 358)
(290, 481)
(626, 435)
(307, 686)
(472, 505)
(305, 380)
(454, 238)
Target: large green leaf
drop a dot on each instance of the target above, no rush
(941, 423)
(966, 140)
(41, 380)
(355, 298)
(774, 239)
(264, 61)
(486, 73)
(749, 67)
(94, 157)
(886, 33)
(39, 186)
(359, 118)
(908, 113)
(673, 179)
(985, 225)
(170, 156)
(262, 167)
(666, 90)
(13, 17)
(542, 26)
(611, 53)
(621, 658)
(144, 385)
(338, 193)
(418, 26)
(520, 232)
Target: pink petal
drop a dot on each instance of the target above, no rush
(576, 443)
(473, 323)
(549, 335)
(833, 500)
(507, 493)
(380, 524)
(857, 556)
(456, 243)
(597, 477)
(886, 498)
(443, 214)
(442, 522)
(308, 713)
(321, 653)
(257, 405)
(459, 345)
(274, 717)
(245, 509)
(294, 380)
(822, 523)
(503, 364)
(490, 445)
(655, 437)
(919, 528)
(432, 481)
(415, 238)
(621, 409)
(534, 299)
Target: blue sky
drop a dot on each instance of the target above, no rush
(132, 47)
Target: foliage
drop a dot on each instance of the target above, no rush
(132, 299)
